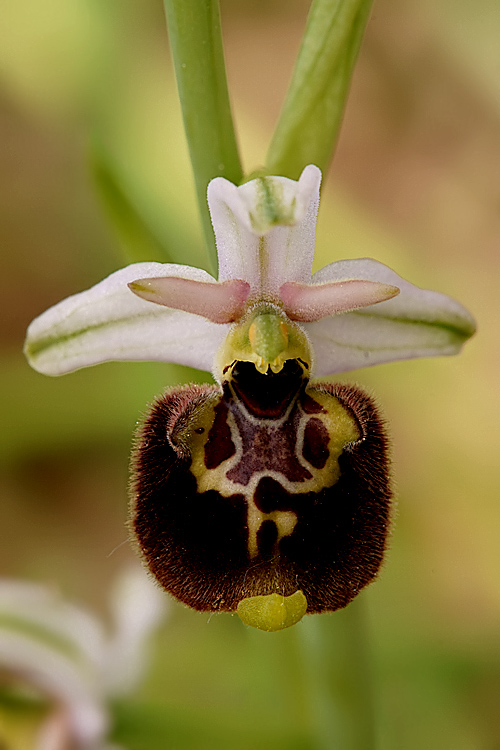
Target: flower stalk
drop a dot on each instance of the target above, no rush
(337, 685)
(196, 45)
(311, 116)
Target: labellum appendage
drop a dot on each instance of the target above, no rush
(268, 495)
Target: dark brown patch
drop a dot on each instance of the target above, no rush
(311, 406)
(219, 445)
(267, 536)
(267, 447)
(270, 495)
(315, 448)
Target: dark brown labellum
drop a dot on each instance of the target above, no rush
(267, 485)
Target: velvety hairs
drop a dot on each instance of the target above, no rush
(243, 490)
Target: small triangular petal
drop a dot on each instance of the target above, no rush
(416, 323)
(108, 322)
(309, 302)
(265, 229)
(220, 302)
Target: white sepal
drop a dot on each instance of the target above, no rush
(415, 323)
(265, 229)
(109, 322)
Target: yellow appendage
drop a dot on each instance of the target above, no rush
(273, 611)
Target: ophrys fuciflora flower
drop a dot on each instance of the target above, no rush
(268, 493)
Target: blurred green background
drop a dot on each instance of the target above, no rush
(89, 120)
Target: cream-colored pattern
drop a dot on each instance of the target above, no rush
(340, 426)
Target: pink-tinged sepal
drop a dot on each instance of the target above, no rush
(415, 323)
(108, 322)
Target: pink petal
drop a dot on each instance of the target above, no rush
(310, 302)
(219, 302)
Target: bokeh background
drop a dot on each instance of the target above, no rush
(89, 120)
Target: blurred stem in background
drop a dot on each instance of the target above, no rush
(337, 678)
(137, 238)
(332, 684)
(324, 664)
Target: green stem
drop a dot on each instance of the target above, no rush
(196, 44)
(310, 120)
(322, 670)
(337, 679)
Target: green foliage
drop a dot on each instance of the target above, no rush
(196, 44)
(312, 113)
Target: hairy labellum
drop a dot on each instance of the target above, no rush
(268, 491)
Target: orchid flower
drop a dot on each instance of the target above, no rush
(268, 493)
(61, 655)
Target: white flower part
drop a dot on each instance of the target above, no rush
(108, 322)
(138, 607)
(56, 648)
(416, 323)
(265, 229)
(45, 610)
(64, 653)
(61, 681)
